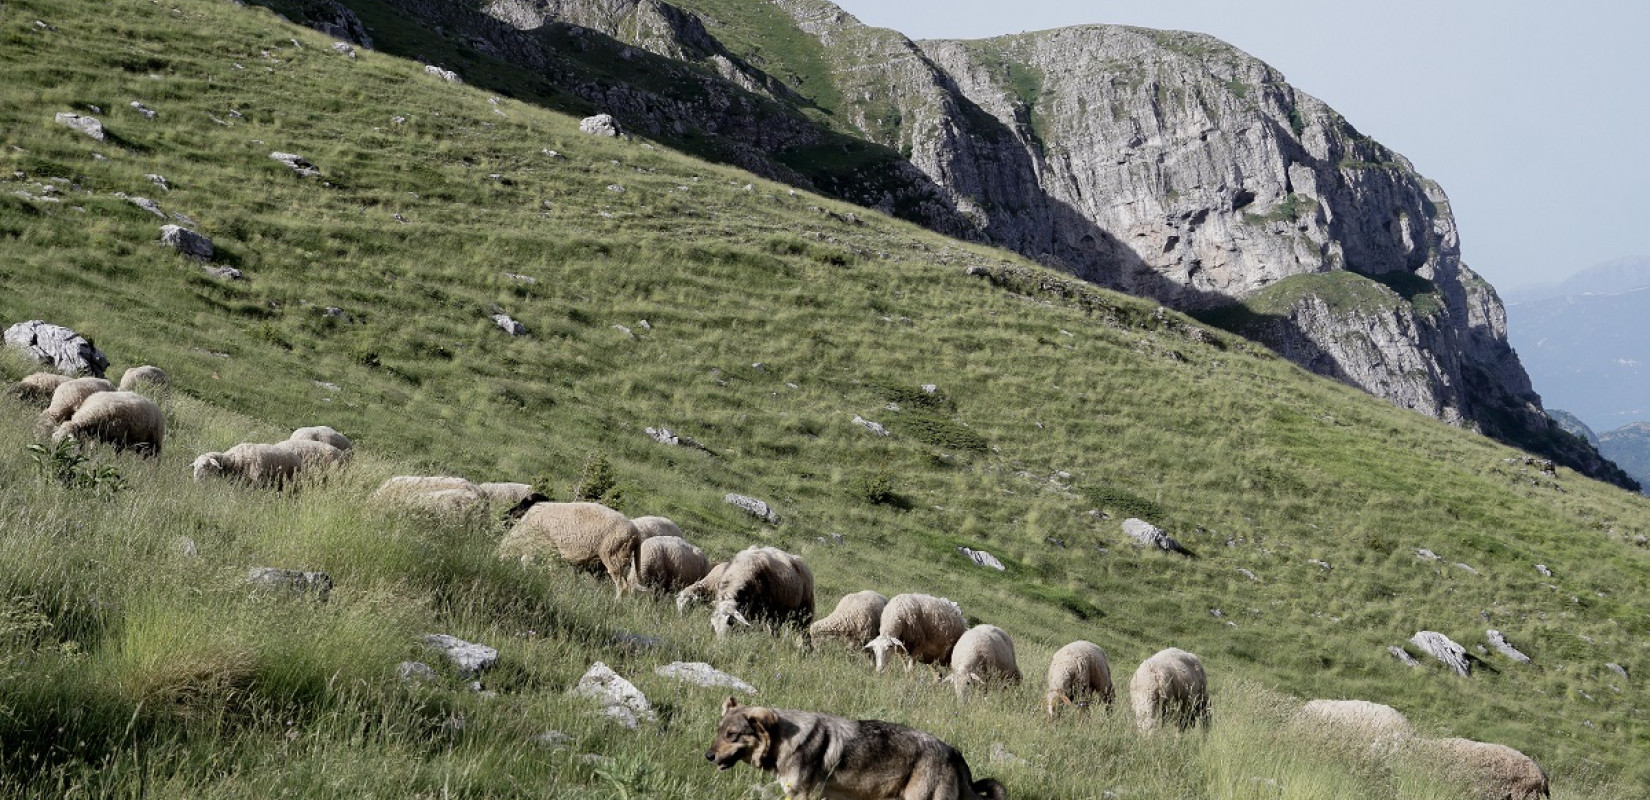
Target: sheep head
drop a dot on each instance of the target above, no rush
(725, 616)
(208, 465)
(880, 647)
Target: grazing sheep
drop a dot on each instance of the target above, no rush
(764, 583)
(315, 455)
(264, 465)
(322, 433)
(921, 626)
(68, 396)
(1496, 770)
(1378, 723)
(135, 377)
(443, 496)
(983, 655)
(513, 498)
(1170, 687)
(587, 535)
(670, 564)
(701, 590)
(123, 419)
(36, 390)
(1078, 673)
(656, 526)
(854, 622)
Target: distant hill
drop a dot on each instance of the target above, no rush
(1629, 447)
(1573, 425)
(1586, 342)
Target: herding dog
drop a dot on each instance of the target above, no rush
(824, 757)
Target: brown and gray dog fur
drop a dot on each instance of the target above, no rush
(821, 756)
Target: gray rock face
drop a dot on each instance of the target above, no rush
(621, 701)
(1502, 646)
(599, 125)
(338, 21)
(57, 347)
(187, 242)
(291, 580)
(90, 126)
(753, 506)
(1444, 649)
(699, 673)
(411, 671)
(470, 659)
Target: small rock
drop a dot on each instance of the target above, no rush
(470, 659)
(1319, 564)
(1545, 572)
(1000, 754)
(1247, 574)
(626, 331)
(409, 671)
(334, 312)
(1466, 568)
(187, 241)
(982, 559)
(87, 125)
(1403, 655)
(1444, 649)
(186, 547)
(147, 205)
(292, 580)
(520, 278)
(159, 180)
(753, 506)
(873, 427)
(615, 188)
(510, 326)
(620, 699)
(147, 112)
(297, 164)
(444, 74)
(1427, 555)
(225, 273)
(929, 388)
(1618, 669)
(636, 641)
(344, 49)
(699, 673)
(553, 739)
(1148, 535)
(599, 125)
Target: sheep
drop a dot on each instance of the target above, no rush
(1378, 723)
(513, 498)
(923, 627)
(1170, 687)
(136, 377)
(854, 621)
(439, 495)
(315, 454)
(36, 389)
(670, 563)
(255, 464)
(702, 589)
(69, 395)
(764, 583)
(656, 526)
(1078, 672)
(587, 535)
(984, 654)
(1497, 771)
(320, 433)
(123, 419)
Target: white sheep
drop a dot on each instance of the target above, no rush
(1497, 772)
(252, 463)
(1078, 673)
(984, 655)
(315, 455)
(1171, 686)
(36, 389)
(701, 590)
(320, 433)
(923, 627)
(69, 395)
(123, 419)
(855, 620)
(765, 584)
(1383, 725)
(136, 377)
(670, 564)
(511, 500)
(443, 496)
(587, 535)
(656, 526)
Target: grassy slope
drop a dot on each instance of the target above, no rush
(1231, 445)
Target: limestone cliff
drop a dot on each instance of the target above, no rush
(1164, 164)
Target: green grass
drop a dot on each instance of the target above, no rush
(132, 667)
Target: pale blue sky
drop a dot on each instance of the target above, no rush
(1532, 115)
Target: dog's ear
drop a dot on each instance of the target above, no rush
(763, 718)
(729, 705)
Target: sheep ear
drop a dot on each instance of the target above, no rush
(729, 704)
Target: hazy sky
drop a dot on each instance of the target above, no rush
(1533, 116)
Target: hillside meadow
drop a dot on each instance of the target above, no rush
(760, 321)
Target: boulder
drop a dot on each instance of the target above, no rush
(159, 180)
(1618, 669)
(1444, 649)
(147, 112)
(1149, 535)
(753, 506)
(600, 125)
(57, 347)
(297, 163)
(699, 673)
(409, 671)
(147, 205)
(672, 438)
(873, 427)
(1501, 646)
(1403, 655)
(509, 325)
(187, 242)
(470, 659)
(291, 580)
(444, 74)
(90, 126)
(982, 559)
(620, 699)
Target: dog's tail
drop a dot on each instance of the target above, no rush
(989, 789)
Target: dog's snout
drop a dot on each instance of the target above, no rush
(710, 755)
